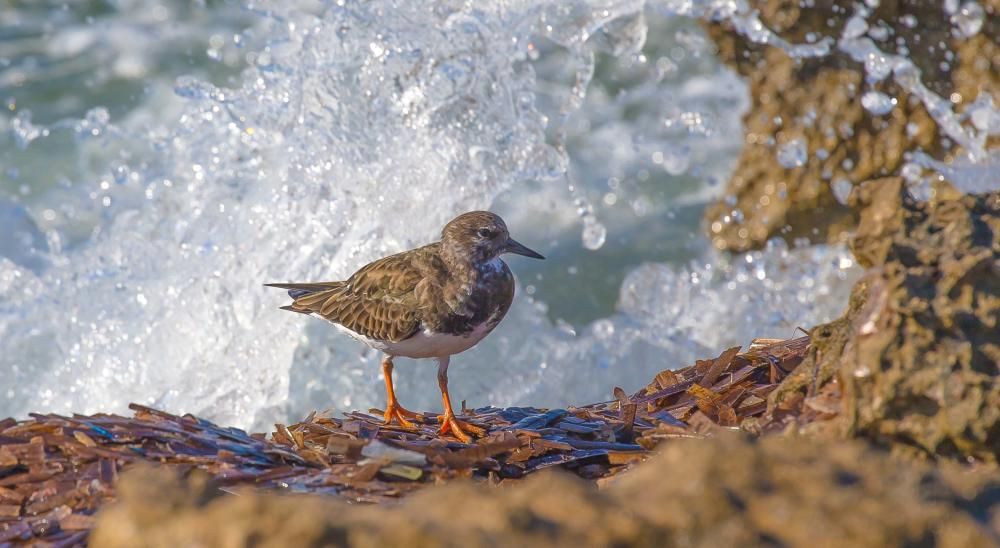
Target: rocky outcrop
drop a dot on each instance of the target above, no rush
(978, 69)
(917, 355)
(817, 103)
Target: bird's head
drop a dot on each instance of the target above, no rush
(481, 236)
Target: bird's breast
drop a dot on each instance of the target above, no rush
(429, 344)
(479, 304)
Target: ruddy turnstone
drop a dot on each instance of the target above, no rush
(430, 302)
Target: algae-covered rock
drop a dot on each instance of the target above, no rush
(728, 491)
(917, 355)
(814, 105)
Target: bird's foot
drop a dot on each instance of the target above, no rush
(458, 428)
(407, 413)
(396, 412)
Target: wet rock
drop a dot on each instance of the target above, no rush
(718, 492)
(978, 69)
(817, 103)
(917, 355)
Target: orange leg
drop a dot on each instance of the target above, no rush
(392, 408)
(448, 421)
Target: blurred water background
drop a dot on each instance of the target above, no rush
(160, 160)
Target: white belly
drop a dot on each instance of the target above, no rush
(425, 344)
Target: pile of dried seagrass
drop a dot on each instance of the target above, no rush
(56, 472)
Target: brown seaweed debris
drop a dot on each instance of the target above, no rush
(56, 471)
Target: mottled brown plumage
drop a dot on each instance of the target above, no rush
(432, 301)
(450, 286)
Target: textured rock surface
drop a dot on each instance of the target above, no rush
(978, 69)
(721, 492)
(817, 102)
(917, 356)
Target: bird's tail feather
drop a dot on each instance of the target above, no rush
(309, 297)
(297, 290)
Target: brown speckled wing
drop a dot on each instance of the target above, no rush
(380, 301)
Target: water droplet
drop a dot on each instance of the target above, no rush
(969, 19)
(841, 190)
(793, 153)
(877, 102)
(856, 27)
(877, 66)
(984, 115)
(594, 233)
(911, 172)
(604, 329)
(920, 189)
(24, 131)
(675, 160)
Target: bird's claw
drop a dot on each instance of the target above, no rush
(459, 429)
(399, 414)
(407, 413)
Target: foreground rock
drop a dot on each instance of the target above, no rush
(727, 491)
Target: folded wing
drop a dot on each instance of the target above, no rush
(380, 301)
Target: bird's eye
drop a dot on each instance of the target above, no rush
(485, 233)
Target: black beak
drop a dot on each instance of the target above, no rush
(520, 249)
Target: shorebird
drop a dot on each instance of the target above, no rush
(430, 302)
